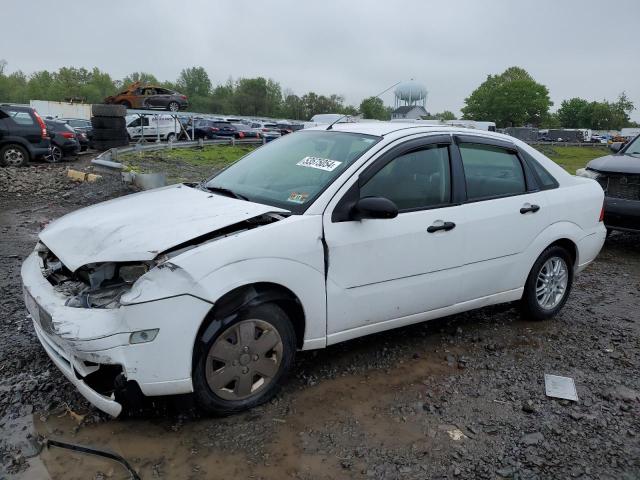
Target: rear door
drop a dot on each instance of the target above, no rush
(21, 123)
(383, 273)
(505, 211)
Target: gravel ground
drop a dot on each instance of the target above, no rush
(461, 397)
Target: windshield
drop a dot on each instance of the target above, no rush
(634, 147)
(293, 170)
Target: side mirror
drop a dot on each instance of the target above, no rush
(374, 207)
(616, 147)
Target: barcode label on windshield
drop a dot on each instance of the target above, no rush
(319, 163)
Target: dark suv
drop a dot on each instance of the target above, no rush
(23, 135)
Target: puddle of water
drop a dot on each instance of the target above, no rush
(354, 408)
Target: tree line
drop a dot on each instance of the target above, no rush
(512, 98)
(258, 96)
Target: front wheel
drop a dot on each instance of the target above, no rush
(548, 284)
(173, 107)
(245, 361)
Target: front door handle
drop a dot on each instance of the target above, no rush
(529, 208)
(446, 226)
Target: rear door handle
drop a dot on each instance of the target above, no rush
(436, 227)
(529, 208)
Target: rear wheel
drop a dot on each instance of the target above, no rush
(171, 137)
(245, 361)
(548, 284)
(13, 156)
(55, 154)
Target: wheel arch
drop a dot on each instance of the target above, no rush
(228, 306)
(569, 246)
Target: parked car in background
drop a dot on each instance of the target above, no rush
(268, 131)
(23, 136)
(64, 141)
(245, 131)
(206, 128)
(619, 176)
(166, 127)
(83, 129)
(315, 239)
(149, 97)
(78, 124)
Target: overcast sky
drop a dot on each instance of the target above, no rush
(355, 48)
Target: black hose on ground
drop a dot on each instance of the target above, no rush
(93, 451)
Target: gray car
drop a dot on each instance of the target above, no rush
(619, 176)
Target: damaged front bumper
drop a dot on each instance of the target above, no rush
(85, 342)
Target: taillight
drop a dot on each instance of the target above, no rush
(265, 129)
(241, 135)
(602, 214)
(183, 97)
(43, 126)
(214, 129)
(68, 135)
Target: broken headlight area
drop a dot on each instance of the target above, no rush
(92, 286)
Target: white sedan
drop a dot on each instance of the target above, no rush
(322, 236)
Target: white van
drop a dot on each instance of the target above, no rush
(149, 126)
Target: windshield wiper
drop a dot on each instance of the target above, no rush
(226, 192)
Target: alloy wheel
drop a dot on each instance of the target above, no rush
(244, 359)
(54, 155)
(174, 107)
(551, 284)
(13, 157)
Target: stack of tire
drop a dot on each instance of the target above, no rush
(109, 126)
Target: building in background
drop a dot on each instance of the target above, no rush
(410, 112)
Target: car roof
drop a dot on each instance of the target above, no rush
(389, 129)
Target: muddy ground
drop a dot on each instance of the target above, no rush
(462, 397)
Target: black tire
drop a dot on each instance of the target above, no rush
(171, 137)
(213, 404)
(125, 104)
(108, 144)
(116, 123)
(99, 110)
(14, 155)
(55, 155)
(110, 134)
(530, 305)
(173, 107)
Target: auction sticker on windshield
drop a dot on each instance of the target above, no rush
(298, 197)
(319, 163)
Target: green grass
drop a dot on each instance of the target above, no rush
(572, 158)
(215, 156)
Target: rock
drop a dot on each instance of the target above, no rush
(623, 393)
(529, 407)
(532, 438)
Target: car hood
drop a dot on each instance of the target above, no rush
(616, 164)
(140, 226)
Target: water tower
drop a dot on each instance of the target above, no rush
(410, 93)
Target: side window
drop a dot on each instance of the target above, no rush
(491, 171)
(21, 118)
(419, 179)
(545, 179)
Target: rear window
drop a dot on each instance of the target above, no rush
(545, 179)
(20, 117)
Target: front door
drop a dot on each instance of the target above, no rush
(384, 273)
